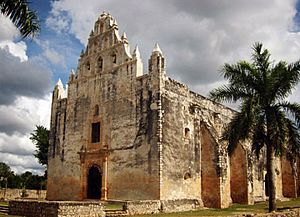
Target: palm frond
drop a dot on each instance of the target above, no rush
(19, 13)
(227, 93)
(277, 130)
(293, 143)
(285, 77)
(292, 109)
(261, 57)
(240, 75)
(240, 127)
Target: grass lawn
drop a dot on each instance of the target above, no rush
(113, 206)
(2, 203)
(233, 210)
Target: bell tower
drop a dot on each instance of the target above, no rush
(157, 68)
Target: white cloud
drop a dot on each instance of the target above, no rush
(51, 54)
(28, 78)
(8, 30)
(16, 149)
(17, 49)
(20, 164)
(8, 33)
(70, 17)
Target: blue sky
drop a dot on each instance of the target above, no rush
(196, 37)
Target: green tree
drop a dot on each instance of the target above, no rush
(5, 170)
(5, 174)
(40, 137)
(20, 14)
(266, 118)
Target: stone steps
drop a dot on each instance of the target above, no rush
(4, 209)
(115, 213)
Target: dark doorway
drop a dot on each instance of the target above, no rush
(94, 183)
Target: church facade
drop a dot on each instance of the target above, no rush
(118, 133)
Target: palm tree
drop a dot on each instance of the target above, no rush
(266, 118)
(23, 18)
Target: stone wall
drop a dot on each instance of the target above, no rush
(11, 194)
(55, 209)
(157, 206)
(143, 207)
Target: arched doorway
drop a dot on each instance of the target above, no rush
(94, 183)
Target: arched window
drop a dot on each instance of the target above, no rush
(187, 175)
(100, 63)
(187, 133)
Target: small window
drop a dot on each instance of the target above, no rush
(96, 112)
(88, 65)
(187, 133)
(100, 63)
(114, 58)
(187, 176)
(96, 132)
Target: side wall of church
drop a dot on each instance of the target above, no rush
(194, 163)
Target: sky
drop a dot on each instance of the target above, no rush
(196, 37)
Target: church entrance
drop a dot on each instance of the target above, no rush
(94, 183)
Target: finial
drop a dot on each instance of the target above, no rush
(124, 36)
(72, 72)
(103, 14)
(157, 49)
(136, 52)
(115, 22)
(59, 83)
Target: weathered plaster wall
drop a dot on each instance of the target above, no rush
(238, 176)
(194, 162)
(181, 154)
(210, 173)
(259, 173)
(289, 183)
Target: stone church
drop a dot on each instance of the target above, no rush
(118, 133)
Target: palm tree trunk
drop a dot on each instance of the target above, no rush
(271, 177)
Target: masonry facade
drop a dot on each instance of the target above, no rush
(120, 133)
